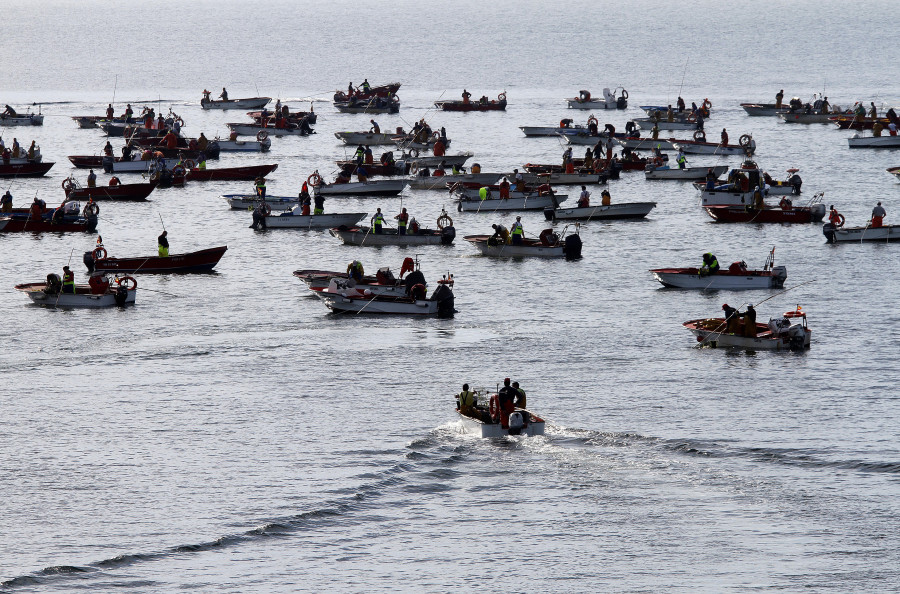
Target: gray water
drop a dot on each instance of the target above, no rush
(229, 434)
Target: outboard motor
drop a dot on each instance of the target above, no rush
(212, 150)
(779, 275)
(549, 213)
(516, 423)
(165, 178)
(121, 296)
(828, 230)
(385, 276)
(414, 278)
(797, 336)
(448, 234)
(621, 102)
(108, 164)
(572, 247)
(91, 220)
(88, 260)
(445, 300)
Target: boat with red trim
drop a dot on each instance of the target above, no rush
(119, 191)
(199, 261)
(27, 169)
(246, 173)
(99, 292)
(780, 334)
(736, 276)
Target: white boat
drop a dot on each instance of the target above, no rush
(441, 302)
(81, 298)
(686, 174)
(747, 146)
(383, 283)
(648, 123)
(647, 144)
(516, 201)
(31, 119)
(800, 117)
(24, 160)
(293, 219)
(432, 162)
(563, 179)
(609, 212)
(737, 276)
(552, 130)
(549, 245)
(244, 146)
(365, 236)
(365, 138)
(778, 335)
(585, 139)
(764, 109)
(608, 101)
(888, 142)
(521, 422)
(249, 201)
(440, 182)
(253, 130)
(247, 103)
(138, 166)
(384, 187)
(885, 233)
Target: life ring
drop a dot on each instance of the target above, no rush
(494, 407)
(593, 120)
(68, 184)
(794, 314)
(189, 164)
(114, 181)
(414, 153)
(840, 219)
(96, 254)
(179, 121)
(414, 168)
(178, 171)
(91, 209)
(624, 94)
(544, 190)
(395, 99)
(436, 136)
(314, 180)
(418, 291)
(444, 221)
(501, 97)
(700, 136)
(262, 135)
(707, 104)
(130, 280)
(744, 140)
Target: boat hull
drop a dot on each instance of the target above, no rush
(363, 236)
(689, 278)
(686, 174)
(741, 214)
(563, 179)
(247, 103)
(249, 201)
(440, 182)
(200, 261)
(648, 123)
(372, 188)
(763, 109)
(25, 169)
(886, 234)
(471, 106)
(692, 147)
(21, 224)
(24, 120)
(531, 250)
(535, 426)
(807, 118)
(322, 221)
(365, 138)
(610, 212)
(533, 131)
(248, 173)
(448, 160)
(491, 205)
(252, 130)
(82, 298)
(576, 104)
(244, 146)
(882, 142)
(122, 192)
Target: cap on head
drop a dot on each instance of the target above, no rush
(506, 382)
(750, 305)
(724, 306)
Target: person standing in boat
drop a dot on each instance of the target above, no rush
(605, 198)
(835, 218)
(506, 395)
(366, 87)
(92, 179)
(518, 232)
(518, 180)
(68, 281)
(584, 200)
(779, 97)
(319, 201)
(375, 129)
(224, 95)
(654, 132)
(504, 189)
(681, 159)
(680, 105)
(724, 137)
(260, 186)
(749, 321)
(16, 149)
(878, 214)
(6, 202)
(710, 264)
(873, 111)
(108, 149)
(402, 221)
(519, 401)
(467, 401)
(163, 244)
(732, 319)
(377, 221)
(466, 96)
(202, 143)
(129, 114)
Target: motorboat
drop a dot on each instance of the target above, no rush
(739, 187)
(26, 169)
(580, 177)
(655, 172)
(646, 144)
(466, 202)
(250, 201)
(416, 162)
(886, 142)
(386, 187)
(121, 192)
(568, 129)
(885, 233)
(28, 119)
(617, 99)
(245, 146)
(199, 261)
(242, 129)
(442, 182)
(847, 122)
(292, 117)
(813, 117)
(246, 173)
(661, 110)
(49, 293)
(746, 146)
(601, 212)
(548, 245)
(366, 236)
(764, 109)
(295, 219)
(736, 276)
(895, 171)
(649, 123)
(366, 138)
(369, 105)
(388, 90)
(788, 333)
(246, 103)
(382, 283)
(65, 219)
(811, 213)
(483, 104)
(352, 300)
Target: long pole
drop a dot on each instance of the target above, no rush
(115, 88)
(60, 289)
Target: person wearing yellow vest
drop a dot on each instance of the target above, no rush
(402, 220)
(484, 193)
(518, 233)
(68, 281)
(355, 271)
(377, 222)
(466, 401)
(605, 198)
(163, 245)
(261, 187)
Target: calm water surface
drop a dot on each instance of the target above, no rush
(228, 434)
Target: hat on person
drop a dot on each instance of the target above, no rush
(724, 306)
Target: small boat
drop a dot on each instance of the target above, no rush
(548, 245)
(92, 161)
(732, 192)
(442, 182)
(365, 236)
(610, 100)
(532, 131)
(594, 139)
(885, 233)
(114, 165)
(483, 104)
(27, 169)
(292, 117)
(746, 146)
(482, 421)
(383, 283)
(895, 171)
(244, 146)
(351, 300)
(200, 261)
(68, 223)
(648, 123)
(250, 201)
(644, 144)
(814, 117)
(766, 214)
(49, 294)
(29, 119)
(608, 212)
(121, 192)
(686, 174)
(294, 219)
(778, 335)
(580, 177)
(467, 202)
(764, 109)
(242, 129)
(385, 187)
(366, 138)
(416, 162)
(372, 104)
(246, 173)
(247, 103)
(736, 276)
(846, 122)
(885, 142)
(387, 168)
(387, 90)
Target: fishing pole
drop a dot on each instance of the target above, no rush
(66, 266)
(161, 220)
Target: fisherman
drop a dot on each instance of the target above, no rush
(366, 87)
(439, 149)
(504, 189)
(681, 159)
(670, 115)
(6, 202)
(518, 180)
(732, 319)
(873, 111)
(506, 396)
(710, 265)
(377, 221)
(779, 96)
(519, 401)
(355, 270)
(584, 200)
(163, 244)
(501, 234)
(786, 203)
(260, 185)
(129, 114)
(749, 321)
(892, 129)
(201, 160)
(466, 95)
(350, 89)
(114, 181)
(170, 140)
(224, 95)
(16, 149)
(878, 214)
(825, 105)
(375, 129)
(92, 179)
(680, 104)
(202, 143)
(368, 158)
(605, 198)
(724, 137)
(476, 169)
(9, 111)
(877, 127)
(402, 221)
(518, 232)
(567, 156)
(319, 201)
(32, 151)
(362, 174)
(359, 155)
(484, 193)
(654, 132)
(259, 216)
(467, 402)
(835, 218)
(68, 281)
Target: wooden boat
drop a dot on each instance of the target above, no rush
(382, 283)
(766, 214)
(242, 129)
(610, 100)
(593, 139)
(200, 261)
(111, 165)
(520, 422)
(686, 174)
(646, 144)
(449, 161)
(883, 142)
(549, 245)
(27, 169)
(92, 161)
(246, 173)
(83, 297)
(721, 191)
(737, 276)
(244, 146)
(247, 103)
(121, 192)
(885, 233)
(294, 117)
(498, 104)
(441, 302)
(28, 119)
(442, 182)
(609, 212)
(386, 187)
(365, 236)
(387, 169)
(764, 109)
(294, 219)
(778, 335)
(466, 202)
(846, 122)
(580, 177)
